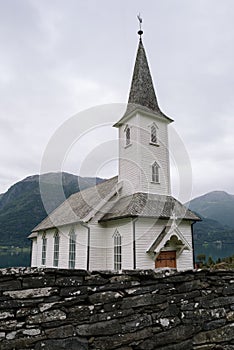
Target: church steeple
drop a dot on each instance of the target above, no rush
(143, 135)
(142, 90)
(142, 94)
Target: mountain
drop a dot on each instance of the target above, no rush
(22, 207)
(213, 239)
(214, 235)
(216, 205)
(211, 231)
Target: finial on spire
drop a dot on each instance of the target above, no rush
(140, 32)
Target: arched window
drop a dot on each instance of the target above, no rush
(43, 249)
(72, 249)
(117, 251)
(56, 249)
(128, 136)
(153, 134)
(155, 172)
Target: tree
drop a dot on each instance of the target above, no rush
(201, 258)
(210, 261)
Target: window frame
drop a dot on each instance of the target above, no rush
(155, 173)
(154, 134)
(117, 251)
(72, 249)
(127, 132)
(43, 249)
(56, 249)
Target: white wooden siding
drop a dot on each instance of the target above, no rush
(129, 167)
(147, 230)
(102, 245)
(135, 161)
(63, 246)
(185, 260)
(125, 229)
(81, 247)
(39, 248)
(97, 248)
(34, 252)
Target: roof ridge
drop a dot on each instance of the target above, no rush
(89, 188)
(81, 194)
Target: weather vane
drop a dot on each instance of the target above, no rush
(140, 32)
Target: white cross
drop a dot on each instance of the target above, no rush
(173, 218)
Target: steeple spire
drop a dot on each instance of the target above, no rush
(142, 94)
(142, 90)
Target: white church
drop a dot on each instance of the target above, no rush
(130, 221)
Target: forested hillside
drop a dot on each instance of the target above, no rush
(22, 208)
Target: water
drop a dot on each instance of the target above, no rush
(215, 250)
(14, 259)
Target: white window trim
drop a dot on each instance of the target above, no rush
(151, 142)
(72, 249)
(117, 250)
(43, 249)
(154, 144)
(56, 249)
(126, 145)
(157, 175)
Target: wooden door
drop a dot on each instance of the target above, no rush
(166, 259)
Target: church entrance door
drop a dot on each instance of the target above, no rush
(166, 259)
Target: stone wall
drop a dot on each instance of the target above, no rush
(65, 309)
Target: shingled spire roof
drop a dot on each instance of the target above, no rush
(142, 94)
(142, 88)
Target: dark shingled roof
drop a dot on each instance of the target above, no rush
(149, 205)
(142, 94)
(81, 204)
(78, 205)
(142, 89)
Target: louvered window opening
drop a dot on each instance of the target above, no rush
(153, 134)
(128, 137)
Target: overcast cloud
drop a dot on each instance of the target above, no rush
(61, 57)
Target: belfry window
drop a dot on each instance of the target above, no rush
(72, 249)
(155, 172)
(117, 251)
(128, 136)
(153, 134)
(43, 250)
(56, 249)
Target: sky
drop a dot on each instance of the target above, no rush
(60, 58)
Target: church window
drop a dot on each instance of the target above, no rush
(43, 250)
(72, 249)
(56, 249)
(155, 172)
(128, 136)
(153, 135)
(117, 251)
